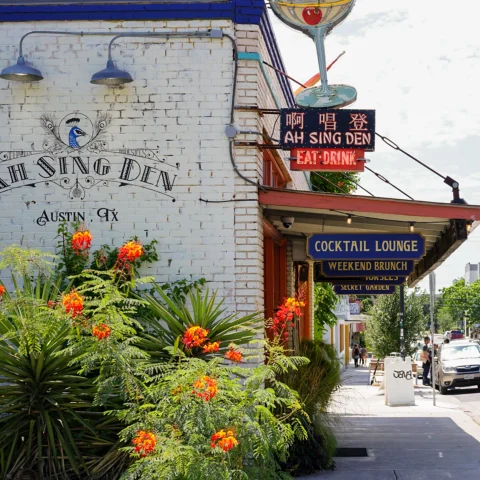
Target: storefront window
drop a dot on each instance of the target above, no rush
(272, 174)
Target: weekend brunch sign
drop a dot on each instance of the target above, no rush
(352, 268)
(368, 246)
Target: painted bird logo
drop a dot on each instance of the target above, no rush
(75, 132)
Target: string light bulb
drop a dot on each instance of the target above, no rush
(412, 227)
(349, 219)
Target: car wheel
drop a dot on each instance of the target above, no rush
(443, 390)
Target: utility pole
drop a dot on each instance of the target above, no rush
(431, 279)
(402, 321)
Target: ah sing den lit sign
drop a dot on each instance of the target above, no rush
(327, 128)
(327, 160)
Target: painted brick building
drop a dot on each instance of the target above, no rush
(153, 158)
(178, 154)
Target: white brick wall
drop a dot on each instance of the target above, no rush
(178, 105)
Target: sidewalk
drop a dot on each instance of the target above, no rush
(403, 443)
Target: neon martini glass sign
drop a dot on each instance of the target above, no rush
(317, 18)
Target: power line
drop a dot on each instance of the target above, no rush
(385, 180)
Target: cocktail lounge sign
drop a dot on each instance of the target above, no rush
(76, 157)
(368, 246)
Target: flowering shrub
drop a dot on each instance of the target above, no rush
(234, 355)
(193, 416)
(284, 317)
(101, 331)
(195, 337)
(205, 388)
(73, 249)
(81, 242)
(73, 304)
(211, 347)
(238, 417)
(130, 252)
(224, 440)
(144, 443)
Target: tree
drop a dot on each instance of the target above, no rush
(383, 328)
(460, 299)
(325, 303)
(331, 182)
(445, 320)
(455, 300)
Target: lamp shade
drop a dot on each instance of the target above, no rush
(21, 72)
(111, 76)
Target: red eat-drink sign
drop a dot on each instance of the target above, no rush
(327, 160)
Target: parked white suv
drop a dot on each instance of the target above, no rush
(457, 364)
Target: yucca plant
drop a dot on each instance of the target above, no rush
(48, 425)
(166, 321)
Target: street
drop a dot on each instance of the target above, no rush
(468, 399)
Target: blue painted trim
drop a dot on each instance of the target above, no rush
(256, 57)
(276, 58)
(239, 11)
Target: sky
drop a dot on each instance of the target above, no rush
(417, 63)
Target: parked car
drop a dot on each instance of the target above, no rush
(457, 364)
(456, 335)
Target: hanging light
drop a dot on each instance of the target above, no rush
(412, 227)
(349, 219)
(21, 72)
(469, 225)
(111, 76)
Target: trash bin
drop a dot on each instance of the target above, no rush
(398, 382)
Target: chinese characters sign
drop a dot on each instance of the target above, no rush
(327, 160)
(368, 246)
(310, 128)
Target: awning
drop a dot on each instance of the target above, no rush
(444, 225)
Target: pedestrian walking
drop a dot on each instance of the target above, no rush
(425, 360)
(364, 354)
(356, 354)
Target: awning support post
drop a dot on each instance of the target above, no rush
(402, 321)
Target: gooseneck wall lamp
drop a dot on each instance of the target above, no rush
(111, 75)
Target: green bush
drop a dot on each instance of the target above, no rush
(315, 382)
(71, 382)
(183, 422)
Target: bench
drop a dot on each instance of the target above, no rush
(381, 370)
